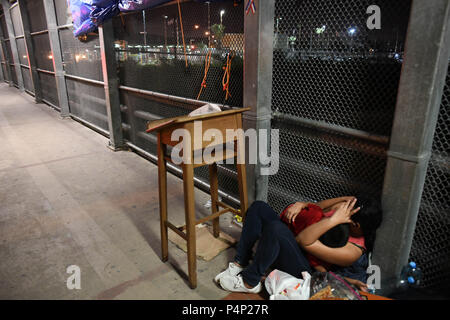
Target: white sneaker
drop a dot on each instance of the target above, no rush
(236, 284)
(232, 270)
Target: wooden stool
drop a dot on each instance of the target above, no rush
(193, 158)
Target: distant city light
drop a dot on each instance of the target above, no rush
(321, 29)
(351, 31)
(206, 33)
(222, 12)
(196, 26)
(50, 57)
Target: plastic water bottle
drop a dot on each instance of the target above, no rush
(416, 274)
(410, 277)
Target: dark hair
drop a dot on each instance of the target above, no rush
(337, 236)
(369, 218)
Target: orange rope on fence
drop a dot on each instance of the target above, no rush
(226, 76)
(182, 32)
(207, 64)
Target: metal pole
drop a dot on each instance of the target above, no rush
(419, 96)
(258, 34)
(1, 69)
(111, 81)
(30, 51)
(53, 35)
(13, 44)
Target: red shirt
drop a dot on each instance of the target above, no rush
(308, 216)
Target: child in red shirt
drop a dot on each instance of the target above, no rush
(335, 237)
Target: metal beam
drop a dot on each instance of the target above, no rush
(258, 56)
(419, 96)
(6, 76)
(328, 127)
(32, 63)
(168, 97)
(53, 35)
(111, 80)
(13, 44)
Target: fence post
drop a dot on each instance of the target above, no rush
(419, 96)
(55, 45)
(2, 56)
(258, 60)
(13, 44)
(30, 51)
(111, 81)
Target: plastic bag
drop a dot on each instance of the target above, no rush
(133, 5)
(330, 286)
(103, 10)
(81, 11)
(207, 108)
(282, 286)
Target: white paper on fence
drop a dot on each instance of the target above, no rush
(282, 286)
(207, 108)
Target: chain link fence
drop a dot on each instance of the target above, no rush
(334, 87)
(430, 247)
(8, 60)
(3, 50)
(151, 57)
(43, 52)
(21, 49)
(335, 83)
(83, 72)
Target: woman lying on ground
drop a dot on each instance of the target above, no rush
(280, 248)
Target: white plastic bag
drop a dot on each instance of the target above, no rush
(282, 286)
(207, 108)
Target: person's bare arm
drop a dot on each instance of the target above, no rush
(293, 211)
(320, 269)
(359, 284)
(312, 233)
(343, 257)
(325, 204)
(308, 239)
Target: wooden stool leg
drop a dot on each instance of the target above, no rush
(189, 205)
(242, 175)
(214, 183)
(162, 181)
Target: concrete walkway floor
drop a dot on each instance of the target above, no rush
(66, 199)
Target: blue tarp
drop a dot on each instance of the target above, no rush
(87, 15)
(133, 5)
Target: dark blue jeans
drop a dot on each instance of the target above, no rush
(277, 246)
